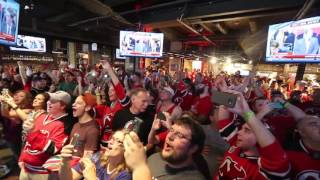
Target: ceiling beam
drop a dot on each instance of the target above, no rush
(99, 8)
(195, 31)
(207, 28)
(219, 9)
(221, 28)
(60, 16)
(253, 26)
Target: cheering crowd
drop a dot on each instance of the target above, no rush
(104, 123)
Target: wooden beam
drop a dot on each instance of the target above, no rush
(221, 28)
(206, 27)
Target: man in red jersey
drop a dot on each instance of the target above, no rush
(254, 152)
(46, 138)
(304, 153)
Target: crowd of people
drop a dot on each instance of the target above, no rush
(104, 123)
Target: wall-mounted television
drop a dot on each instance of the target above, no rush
(142, 44)
(118, 55)
(9, 21)
(30, 44)
(294, 41)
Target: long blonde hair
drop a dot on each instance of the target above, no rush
(104, 161)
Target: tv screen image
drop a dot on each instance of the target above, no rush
(143, 44)
(118, 55)
(9, 20)
(295, 41)
(30, 44)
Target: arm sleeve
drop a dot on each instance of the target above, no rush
(228, 130)
(274, 161)
(100, 110)
(121, 93)
(27, 86)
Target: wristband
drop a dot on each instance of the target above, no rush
(286, 104)
(248, 115)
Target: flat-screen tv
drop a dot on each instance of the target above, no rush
(294, 41)
(9, 21)
(118, 55)
(30, 44)
(142, 44)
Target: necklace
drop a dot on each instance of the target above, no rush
(46, 121)
(110, 172)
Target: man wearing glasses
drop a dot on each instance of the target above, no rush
(183, 143)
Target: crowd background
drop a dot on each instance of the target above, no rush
(183, 132)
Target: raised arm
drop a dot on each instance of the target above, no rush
(22, 72)
(21, 113)
(263, 135)
(296, 112)
(135, 157)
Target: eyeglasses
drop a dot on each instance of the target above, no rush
(178, 134)
(116, 141)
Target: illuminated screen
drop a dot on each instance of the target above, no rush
(143, 44)
(295, 41)
(9, 22)
(30, 44)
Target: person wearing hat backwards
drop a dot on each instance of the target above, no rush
(46, 138)
(87, 127)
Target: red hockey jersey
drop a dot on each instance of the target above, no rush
(105, 113)
(272, 162)
(305, 162)
(47, 132)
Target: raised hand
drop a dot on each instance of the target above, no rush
(134, 154)
(241, 105)
(66, 152)
(89, 169)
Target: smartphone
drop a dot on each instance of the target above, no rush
(5, 91)
(276, 105)
(161, 116)
(224, 98)
(75, 139)
(133, 125)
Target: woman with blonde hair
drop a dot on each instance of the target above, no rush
(109, 166)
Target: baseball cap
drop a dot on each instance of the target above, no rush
(169, 89)
(61, 96)
(90, 99)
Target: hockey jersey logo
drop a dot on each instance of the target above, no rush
(309, 175)
(232, 168)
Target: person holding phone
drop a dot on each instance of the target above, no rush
(254, 153)
(86, 127)
(106, 165)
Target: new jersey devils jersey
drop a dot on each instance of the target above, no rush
(47, 132)
(305, 162)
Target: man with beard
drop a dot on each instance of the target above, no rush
(202, 104)
(183, 143)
